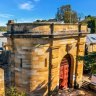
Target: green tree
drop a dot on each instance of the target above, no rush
(66, 14)
(3, 29)
(89, 62)
(91, 22)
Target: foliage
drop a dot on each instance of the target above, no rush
(13, 92)
(91, 21)
(89, 61)
(66, 14)
(3, 29)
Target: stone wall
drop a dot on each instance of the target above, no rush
(2, 87)
(33, 56)
(92, 48)
(45, 27)
(81, 52)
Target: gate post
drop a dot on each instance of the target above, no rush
(2, 85)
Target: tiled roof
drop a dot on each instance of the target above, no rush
(3, 39)
(91, 38)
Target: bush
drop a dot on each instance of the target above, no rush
(89, 62)
(13, 92)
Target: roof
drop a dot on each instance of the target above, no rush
(91, 39)
(44, 23)
(2, 39)
(1, 33)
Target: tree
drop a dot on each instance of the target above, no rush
(89, 62)
(66, 14)
(3, 29)
(91, 22)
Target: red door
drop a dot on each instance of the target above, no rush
(64, 69)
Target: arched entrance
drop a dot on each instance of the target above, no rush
(65, 72)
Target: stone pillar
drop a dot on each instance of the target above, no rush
(2, 88)
(81, 51)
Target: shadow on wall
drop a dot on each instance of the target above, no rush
(4, 57)
(40, 90)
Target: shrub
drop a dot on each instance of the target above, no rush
(13, 92)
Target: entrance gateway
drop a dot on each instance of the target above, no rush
(65, 72)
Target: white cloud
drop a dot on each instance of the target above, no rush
(26, 5)
(2, 15)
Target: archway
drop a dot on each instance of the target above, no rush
(65, 72)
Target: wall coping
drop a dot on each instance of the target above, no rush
(45, 23)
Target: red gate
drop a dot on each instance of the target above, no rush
(64, 71)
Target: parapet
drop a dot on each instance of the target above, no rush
(45, 28)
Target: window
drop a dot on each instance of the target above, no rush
(21, 63)
(46, 62)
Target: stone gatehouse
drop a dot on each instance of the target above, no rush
(44, 56)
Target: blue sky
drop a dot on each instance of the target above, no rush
(30, 10)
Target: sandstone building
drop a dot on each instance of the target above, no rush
(3, 40)
(43, 56)
(2, 87)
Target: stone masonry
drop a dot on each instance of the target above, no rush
(37, 50)
(2, 87)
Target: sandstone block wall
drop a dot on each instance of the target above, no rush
(44, 28)
(32, 56)
(31, 65)
(92, 48)
(32, 75)
(2, 86)
(81, 52)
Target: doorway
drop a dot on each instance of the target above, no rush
(65, 72)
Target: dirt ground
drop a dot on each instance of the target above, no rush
(83, 91)
(80, 92)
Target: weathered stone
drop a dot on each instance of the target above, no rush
(36, 57)
(2, 87)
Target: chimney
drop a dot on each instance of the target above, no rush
(10, 22)
(79, 26)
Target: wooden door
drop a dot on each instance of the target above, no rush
(64, 70)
